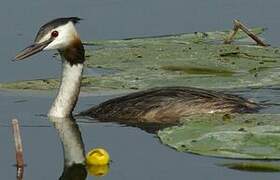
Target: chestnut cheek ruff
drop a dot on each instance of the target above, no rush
(74, 53)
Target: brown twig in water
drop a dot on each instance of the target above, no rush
(238, 25)
(19, 149)
(231, 35)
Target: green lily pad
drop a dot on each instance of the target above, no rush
(195, 59)
(247, 136)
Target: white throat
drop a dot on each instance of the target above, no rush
(69, 90)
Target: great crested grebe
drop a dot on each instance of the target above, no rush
(158, 105)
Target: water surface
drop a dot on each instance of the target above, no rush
(136, 154)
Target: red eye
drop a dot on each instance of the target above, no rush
(54, 34)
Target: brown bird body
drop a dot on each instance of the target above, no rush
(168, 105)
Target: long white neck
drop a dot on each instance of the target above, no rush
(69, 90)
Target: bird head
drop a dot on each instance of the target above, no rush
(59, 34)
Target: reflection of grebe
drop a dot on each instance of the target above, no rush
(160, 105)
(73, 148)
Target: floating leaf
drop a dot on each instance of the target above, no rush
(196, 59)
(248, 136)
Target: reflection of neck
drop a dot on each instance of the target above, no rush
(73, 148)
(68, 91)
(71, 140)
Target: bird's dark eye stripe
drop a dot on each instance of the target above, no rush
(54, 33)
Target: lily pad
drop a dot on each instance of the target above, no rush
(195, 59)
(247, 136)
